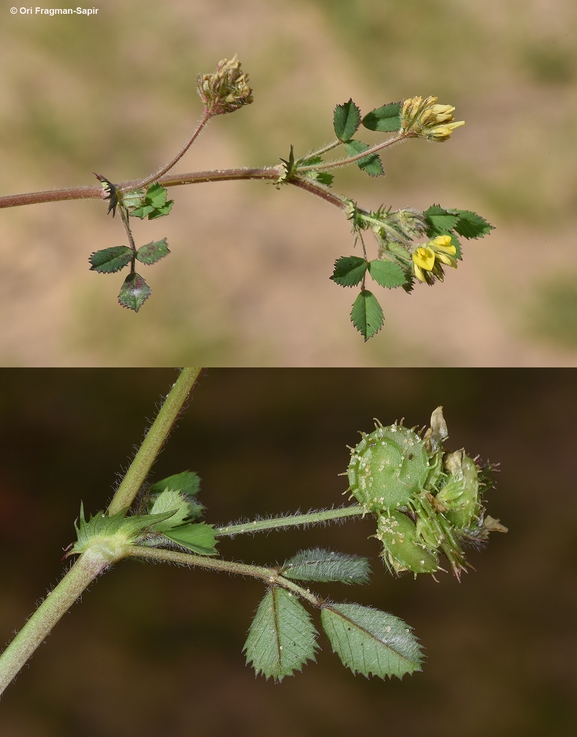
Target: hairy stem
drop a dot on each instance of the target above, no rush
(402, 136)
(154, 440)
(207, 115)
(54, 606)
(267, 173)
(269, 575)
(295, 520)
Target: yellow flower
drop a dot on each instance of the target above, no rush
(427, 119)
(423, 260)
(427, 259)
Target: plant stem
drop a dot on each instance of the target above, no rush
(126, 223)
(296, 520)
(269, 575)
(54, 606)
(154, 440)
(207, 115)
(268, 173)
(351, 159)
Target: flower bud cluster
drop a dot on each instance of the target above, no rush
(226, 89)
(427, 119)
(426, 501)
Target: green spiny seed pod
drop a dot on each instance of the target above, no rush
(402, 548)
(387, 468)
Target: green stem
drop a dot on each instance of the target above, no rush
(295, 520)
(154, 440)
(54, 606)
(269, 575)
(321, 151)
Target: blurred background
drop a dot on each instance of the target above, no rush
(247, 282)
(158, 650)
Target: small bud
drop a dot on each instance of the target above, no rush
(226, 89)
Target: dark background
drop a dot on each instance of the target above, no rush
(158, 650)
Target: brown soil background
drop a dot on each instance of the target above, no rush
(247, 281)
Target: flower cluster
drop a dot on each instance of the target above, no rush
(426, 501)
(427, 119)
(226, 89)
(427, 259)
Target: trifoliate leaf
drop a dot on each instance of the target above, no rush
(387, 273)
(349, 270)
(110, 260)
(439, 221)
(385, 119)
(370, 164)
(346, 120)
(367, 315)
(325, 565)
(471, 225)
(188, 482)
(281, 637)
(155, 204)
(134, 292)
(371, 642)
(198, 537)
(152, 252)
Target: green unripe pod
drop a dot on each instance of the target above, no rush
(387, 468)
(402, 548)
(461, 494)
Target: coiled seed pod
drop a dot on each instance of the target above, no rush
(387, 468)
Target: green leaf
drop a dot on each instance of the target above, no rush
(387, 273)
(325, 565)
(199, 537)
(134, 292)
(188, 482)
(371, 642)
(385, 119)
(471, 225)
(349, 270)
(324, 177)
(367, 315)
(281, 637)
(110, 260)
(176, 502)
(155, 204)
(439, 221)
(152, 252)
(370, 164)
(346, 120)
(156, 195)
